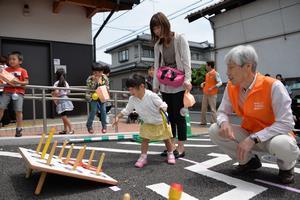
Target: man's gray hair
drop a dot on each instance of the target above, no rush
(241, 55)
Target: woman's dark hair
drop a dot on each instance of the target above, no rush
(97, 67)
(159, 19)
(135, 81)
(60, 77)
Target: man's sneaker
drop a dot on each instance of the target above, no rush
(253, 164)
(19, 132)
(62, 132)
(141, 162)
(171, 159)
(286, 176)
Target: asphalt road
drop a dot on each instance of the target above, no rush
(212, 178)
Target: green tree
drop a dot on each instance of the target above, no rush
(198, 75)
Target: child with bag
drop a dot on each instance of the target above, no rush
(151, 110)
(63, 107)
(98, 82)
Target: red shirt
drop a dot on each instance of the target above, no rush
(19, 73)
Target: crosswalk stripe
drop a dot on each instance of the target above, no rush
(162, 145)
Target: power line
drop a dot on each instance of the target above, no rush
(145, 28)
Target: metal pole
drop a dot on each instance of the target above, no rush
(44, 111)
(116, 111)
(33, 107)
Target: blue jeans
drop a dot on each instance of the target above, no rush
(93, 112)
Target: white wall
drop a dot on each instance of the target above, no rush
(69, 25)
(262, 24)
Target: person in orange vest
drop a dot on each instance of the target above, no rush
(267, 121)
(210, 91)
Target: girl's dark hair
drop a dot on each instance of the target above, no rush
(159, 19)
(135, 81)
(106, 69)
(97, 67)
(3, 60)
(60, 77)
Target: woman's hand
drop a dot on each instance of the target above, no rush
(188, 86)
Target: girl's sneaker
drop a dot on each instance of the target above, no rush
(141, 162)
(104, 131)
(62, 132)
(171, 159)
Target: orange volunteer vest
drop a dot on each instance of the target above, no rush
(257, 112)
(210, 81)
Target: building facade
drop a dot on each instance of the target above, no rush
(271, 26)
(136, 55)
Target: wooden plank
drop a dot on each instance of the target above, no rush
(58, 167)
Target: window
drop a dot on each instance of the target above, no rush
(148, 52)
(123, 55)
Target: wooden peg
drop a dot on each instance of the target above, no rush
(79, 157)
(126, 196)
(69, 154)
(40, 143)
(91, 157)
(62, 149)
(51, 133)
(100, 163)
(52, 153)
(40, 183)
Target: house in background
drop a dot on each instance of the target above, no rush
(272, 27)
(51, 34)
(136, 55)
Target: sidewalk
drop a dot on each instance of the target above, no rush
(31, 129)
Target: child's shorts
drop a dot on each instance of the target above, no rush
(5, 98)
(155, 132)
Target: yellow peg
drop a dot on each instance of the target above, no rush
(69, 154)
(91, 157)
(126, 196)
(40, 143)
(79, 157)
(50, 136)
(100, 163)
(62, 149)
(52, 153)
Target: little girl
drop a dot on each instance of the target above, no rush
(149, 106)
(63, 106)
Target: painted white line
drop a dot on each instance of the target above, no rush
(10, 154)
(196, 139)
(274, 166)
(243, 191)
(291, 189)
(115, 188)
(114, 150)
(163, 190)
(162, 145)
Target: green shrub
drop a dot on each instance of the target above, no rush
(198, 75)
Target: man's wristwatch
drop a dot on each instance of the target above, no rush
(254, 138)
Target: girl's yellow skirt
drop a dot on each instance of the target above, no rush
(155, 132)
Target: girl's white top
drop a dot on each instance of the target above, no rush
(62, 92)
(148, 107)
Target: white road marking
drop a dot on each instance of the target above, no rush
(163, 190)
(114, 150)
(10, 154)
(285, 187)
(162, 145)
(115, 188)
(198, 139)
(243, 191)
